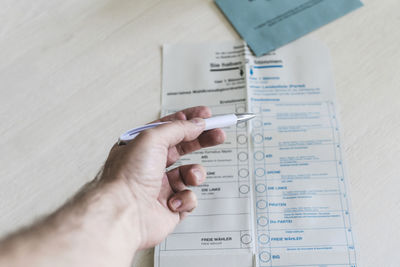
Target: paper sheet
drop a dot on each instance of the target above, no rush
(276, 192)
(268, 24)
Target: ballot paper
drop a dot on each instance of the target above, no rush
(268, 24)
(276, 192)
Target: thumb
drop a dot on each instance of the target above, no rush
(173, 133)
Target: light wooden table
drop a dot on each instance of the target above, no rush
(75, 74)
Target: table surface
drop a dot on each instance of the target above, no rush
(75, 74)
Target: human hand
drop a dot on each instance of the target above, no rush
(132, 204)
(161, 199)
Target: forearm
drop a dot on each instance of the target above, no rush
(98, 227)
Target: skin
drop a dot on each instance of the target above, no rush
(132, 204)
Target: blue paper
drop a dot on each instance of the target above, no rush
(268, 24)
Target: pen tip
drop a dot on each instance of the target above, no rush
(241, 117)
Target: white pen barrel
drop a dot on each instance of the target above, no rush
(220, 121)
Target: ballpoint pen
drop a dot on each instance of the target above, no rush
(211, 123)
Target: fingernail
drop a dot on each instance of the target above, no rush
(198, 121)
(198, 175)
(176, 203)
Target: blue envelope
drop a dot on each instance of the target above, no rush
(268, 24)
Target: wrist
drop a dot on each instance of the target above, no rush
(101, 218)
(114, 211)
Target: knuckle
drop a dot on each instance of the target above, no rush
(192, 198)
(205, 111)
(201, 168)
(199, 171)
(148, 135)
(221, 137)
(184, 126)
(180, 115)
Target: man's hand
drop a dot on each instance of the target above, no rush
(132, 204)
(162, 198)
